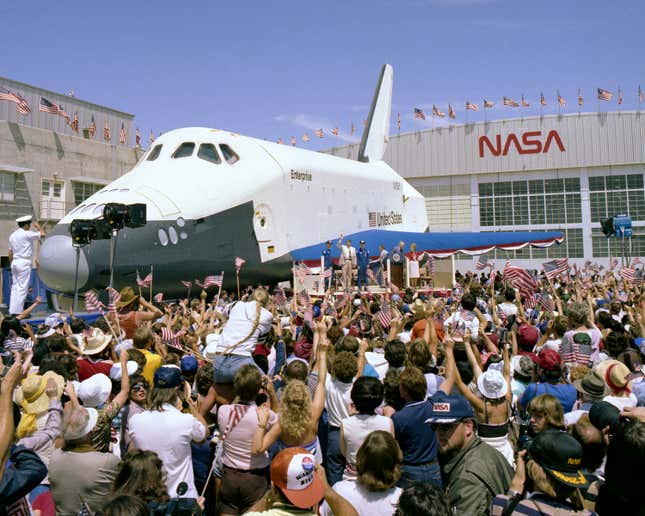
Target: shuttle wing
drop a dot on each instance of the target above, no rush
(440, 245)
(376, 133)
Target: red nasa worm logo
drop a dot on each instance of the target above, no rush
(529, 142)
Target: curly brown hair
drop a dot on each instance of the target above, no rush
(140, 473)
(344, 366)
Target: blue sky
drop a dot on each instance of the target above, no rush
(283, 68)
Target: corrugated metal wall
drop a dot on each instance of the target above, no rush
(72, 105)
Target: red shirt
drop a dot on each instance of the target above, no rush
(87, 368)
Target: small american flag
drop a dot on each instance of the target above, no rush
(293, 141)
(158, 297)
(640, 94)
(113, 298)
(546, 302)
(510, 102)
(524, 102)
(238, 264)
(305, 137)
(92, 303)
(49, 107)
(502, 316)
(619, 98)
(398, 121)
(145, 282)
(213, 281)
(122, 135)
(303, 298)
(604, 95)
(542, 99)
(561, 100)
(451, 112)
(436, 112)
(628, 274)
(371, 222)
(301, 270)
(187, 284)
(418, 113)
(488, 103)
(353, 129)
(319, 133)
(92, 127)
(107, 134)
(151, 138)
(531, 301)
(520, 278)
(555, 267)
(472, 107)
(384, 316)
(581, 100)
(170, 338)
(334, 131)
(75, 124)
(279, 142)
(22, 106)
(482, 262)
(279, 296)
(612, 263)
(137, 138)
(637, 261)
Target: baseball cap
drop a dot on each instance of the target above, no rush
(548, 360)
(448, 409)
(603, 414)
(527, 336)
(560, 455)
(189, 364)
(293, 470)
(168, 377)
(362, 242)
(55, 320)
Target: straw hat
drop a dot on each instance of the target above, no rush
(31, 395)
(96, 342)
(616, 376)
(127, 297)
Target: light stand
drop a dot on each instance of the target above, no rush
(83, 232)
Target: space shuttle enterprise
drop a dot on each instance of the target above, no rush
(212, 195)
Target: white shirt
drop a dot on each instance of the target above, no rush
(337, 400)
(348, 253)
(377, 360)
(356, 428)
(169, 433)
(21, 243)
(375, 503)
(240, 322)
(460, 321)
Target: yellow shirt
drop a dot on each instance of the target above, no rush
(153, 362)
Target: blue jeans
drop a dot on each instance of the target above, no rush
(335, 459)
(425, 473)
(226, 366)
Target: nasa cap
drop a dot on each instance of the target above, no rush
(362, 242)
(293, 470)
(24, 218)
(560, 455)
(449, 409)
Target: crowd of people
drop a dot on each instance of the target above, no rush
(400, 403)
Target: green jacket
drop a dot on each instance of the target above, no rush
(474, 476)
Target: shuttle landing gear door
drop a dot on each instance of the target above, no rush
(264, 227)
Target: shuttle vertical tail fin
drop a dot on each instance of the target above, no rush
(376, 134)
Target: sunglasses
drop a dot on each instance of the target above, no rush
(139, 387)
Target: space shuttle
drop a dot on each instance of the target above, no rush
(212, 195)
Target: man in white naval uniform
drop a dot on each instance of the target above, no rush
(21, 247)
(347, 261)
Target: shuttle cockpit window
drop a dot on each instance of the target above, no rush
(229, 154)
(154, 153)
(184, 150)
(208, 152)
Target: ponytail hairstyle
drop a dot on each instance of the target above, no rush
(261, 298)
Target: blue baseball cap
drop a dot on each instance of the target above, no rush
(396, 297)
(450, 408)
(315, 312)
(167, 377)
(189, 364)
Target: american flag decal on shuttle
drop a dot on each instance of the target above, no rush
(372, 220)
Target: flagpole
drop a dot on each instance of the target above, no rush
(237, 279)
(188, 293)
(138, 284)
(151, 279)
(219, 290)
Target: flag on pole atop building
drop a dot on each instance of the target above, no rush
(151, 138)
(334, 131)
(580, 99)
(436, 112)
(542, 99)
(305, 137)
(238, 264)
(75, 124)
(418, 113)
(398, 121)
(279, 142)
(22, 106)
(640, 94)
(451, 112)
(353, 129)
(319, 133)
(619, 97)
(293, 141)
(524, 102)
(555, 267)
(561, 100)
(488, 103)
(122, 135)
(137, 138)
(52, 108)
(510, 102)
(470, 106)
(107, 134)
(604, 95)
(92, 127)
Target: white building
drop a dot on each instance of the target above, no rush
(560, 172)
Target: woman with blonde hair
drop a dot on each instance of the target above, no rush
(234, 346)
(298, 414)
(546, 413)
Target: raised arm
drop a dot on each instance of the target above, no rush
(475, 401)
(474, 363)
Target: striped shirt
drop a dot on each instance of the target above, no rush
(536, 504)
(17, 344)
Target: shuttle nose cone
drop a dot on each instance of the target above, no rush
(58, 261)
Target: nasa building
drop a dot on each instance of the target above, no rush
(560, 172)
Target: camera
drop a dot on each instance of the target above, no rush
(524, 439)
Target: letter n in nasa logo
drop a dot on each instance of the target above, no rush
(372, 221)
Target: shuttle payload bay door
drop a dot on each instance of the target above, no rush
(265, 231)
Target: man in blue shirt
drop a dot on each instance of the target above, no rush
(363, 260)
(328, 271)
(550, 373)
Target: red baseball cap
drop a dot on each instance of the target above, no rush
(293, 470)
(527, 336)
(548, 360)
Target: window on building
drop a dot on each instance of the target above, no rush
(571, 247)
(154, 153)
(616, 195)
(604, 247)
(84, 190)
(7, 187)
(229, 154)
(207, 152)
(184, 150)
(52, 199)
